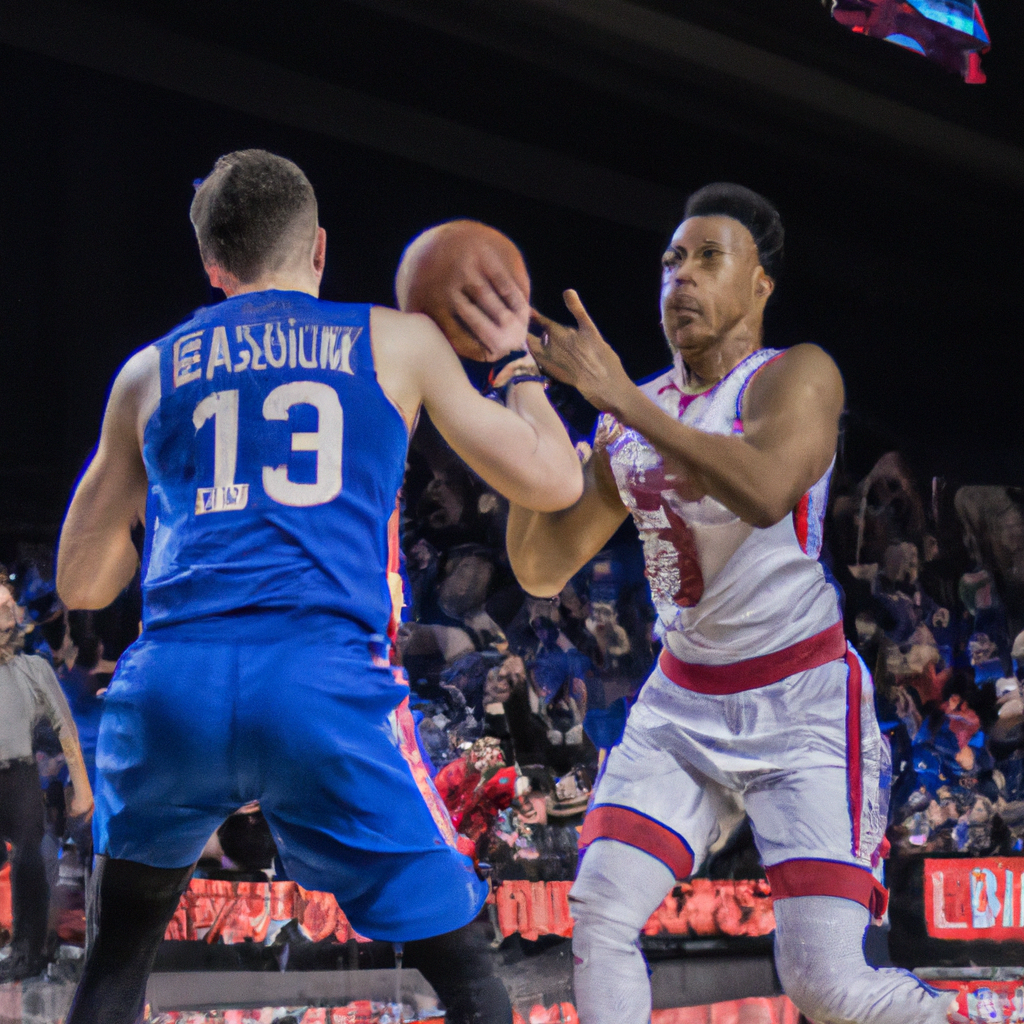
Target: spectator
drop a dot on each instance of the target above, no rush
(465, 584)
(29, 692)
(82, 680)
(545, 712)
(612, 641)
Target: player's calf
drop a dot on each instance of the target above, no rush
(460, 967)
(819, 955)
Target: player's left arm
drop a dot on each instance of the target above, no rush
(96, 558)
(790, 425)
(790, 420)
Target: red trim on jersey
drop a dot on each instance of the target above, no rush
(808, 877)
(394, 577)
(393, 540)
(685, 398)
(854, 779)
(800, 521)
(410, 751)
(609, 821)
(820, 649)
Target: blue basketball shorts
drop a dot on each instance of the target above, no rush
(195, 725)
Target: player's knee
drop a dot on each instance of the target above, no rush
(620, 881)
(594, 932)
(608, 902)
(823, 987)
(812, 994)
(597, 925)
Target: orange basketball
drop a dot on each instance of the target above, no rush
(430, 264)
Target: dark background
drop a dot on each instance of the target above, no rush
(578, 127)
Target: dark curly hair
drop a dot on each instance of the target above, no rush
(753, 211)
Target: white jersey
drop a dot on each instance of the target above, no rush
(724, 591)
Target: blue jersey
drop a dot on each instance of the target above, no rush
(274, 461)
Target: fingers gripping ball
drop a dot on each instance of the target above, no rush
(471, 280)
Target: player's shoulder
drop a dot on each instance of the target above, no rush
(412, 359)
(805, 357)
(804, 373)
(138, 372)
(805, 363)
(409, 335)
(395, 320)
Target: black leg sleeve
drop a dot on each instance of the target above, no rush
(460, 966)
(135, 903)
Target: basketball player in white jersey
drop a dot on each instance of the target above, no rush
(724, 462)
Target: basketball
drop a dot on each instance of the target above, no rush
(431, 262)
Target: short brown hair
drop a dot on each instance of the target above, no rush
(248, 211)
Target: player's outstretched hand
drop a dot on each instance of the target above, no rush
(579, 355)
(485, 298)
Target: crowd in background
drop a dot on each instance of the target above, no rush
(515, 696)
(934, 587)
(501, 680)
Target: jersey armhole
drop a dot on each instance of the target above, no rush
(409, 428)
(738, 422)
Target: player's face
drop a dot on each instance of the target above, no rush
(710, 281)
(8, 611)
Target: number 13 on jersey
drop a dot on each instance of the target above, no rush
(222, 406)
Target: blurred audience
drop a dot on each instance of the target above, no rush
(515, 698)
(30, 695)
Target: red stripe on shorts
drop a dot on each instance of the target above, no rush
(808, 877)
(720, 680)
(854, 779)
(410, 750)
(610, 821)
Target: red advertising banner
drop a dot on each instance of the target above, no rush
(974, 898)
(776, 1010)
(235, 911)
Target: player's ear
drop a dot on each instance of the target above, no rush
(320, 251)
(219, 278)
(763, 284)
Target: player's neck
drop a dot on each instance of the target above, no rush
(295, 276)
(273, 282)
(704, 368)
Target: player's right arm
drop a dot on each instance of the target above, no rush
(546, 549)
(522, 451)
(96, 558)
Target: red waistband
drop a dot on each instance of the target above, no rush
(820, 649)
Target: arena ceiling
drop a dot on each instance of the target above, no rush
(579, 126)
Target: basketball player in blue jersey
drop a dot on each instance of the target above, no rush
(264, 441)
(723, 461)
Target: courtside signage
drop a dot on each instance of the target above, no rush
(975, 898)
